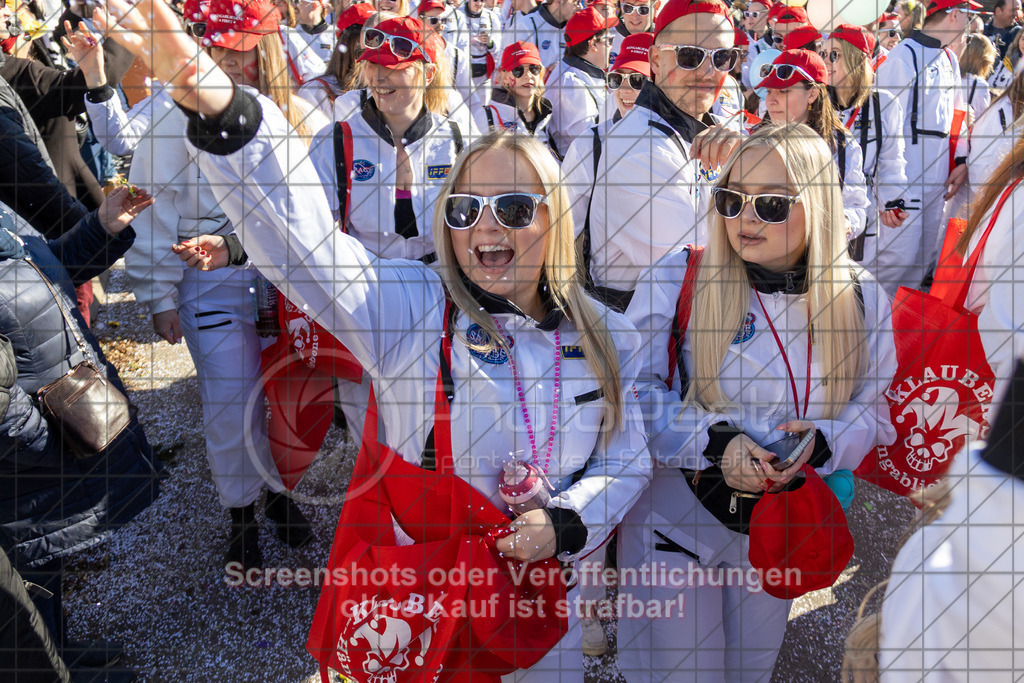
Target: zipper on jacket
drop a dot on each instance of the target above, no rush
(739, 494)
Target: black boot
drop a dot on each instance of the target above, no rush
(292, 526)
(243, 545)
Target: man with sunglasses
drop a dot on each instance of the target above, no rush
(924, 75)
(545, 28)
(650, 196)
(576, 86)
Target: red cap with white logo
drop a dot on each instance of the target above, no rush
(635, 54)
(240, 24)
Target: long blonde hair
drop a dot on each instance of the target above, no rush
(559, 269)
(722, 297)
(859, 73)
(276, 83)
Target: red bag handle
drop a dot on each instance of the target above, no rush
(684, 306)
(957, 296)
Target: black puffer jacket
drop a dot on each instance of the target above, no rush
(50, 503)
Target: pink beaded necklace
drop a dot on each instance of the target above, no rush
(522, 398)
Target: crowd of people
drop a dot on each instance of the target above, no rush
(640, 257)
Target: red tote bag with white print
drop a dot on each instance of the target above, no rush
(942, 391)
(415, 590)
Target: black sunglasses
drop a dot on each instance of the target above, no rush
(615, 80)
(514, 211)
(642, 10)
(832, 56)
(769, 208)
(889, 32)
(690, 57)
(777, 40)
(520, 71)
(436, 21)
(196, 28)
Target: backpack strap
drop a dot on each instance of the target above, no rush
(671, 135)
(456, 135)
(586, 222)
(331, 95)
(343, 169)
(913, 103)
(841, 157)
(288, 55)
(681, 321)
(437, 452)
(492, 113)
(1002, 119)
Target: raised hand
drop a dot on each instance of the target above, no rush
(122, 206)
(151, 31)
(84, 47)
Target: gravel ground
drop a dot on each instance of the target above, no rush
(158, 587)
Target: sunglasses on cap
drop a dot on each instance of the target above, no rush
(769, 208)
(965, 10)
(435, 21)
(751, 14)
(832, 56)
(691, 57)
(513, 211)
(520, 71)
(403, 48)
(642, 10)
(616, 80)
(196, 29)
(784, 71)
(889, 32)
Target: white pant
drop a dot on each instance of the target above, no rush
(685, 621)
(216, 313)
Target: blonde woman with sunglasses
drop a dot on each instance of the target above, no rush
(785, 336)
(539, 372)
(517, 102)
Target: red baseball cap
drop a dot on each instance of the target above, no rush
(196, 10)
(888, 16)
(799, 539)
(741, 38)
(810, 63)
(939, 5)
(635, 54)
(585, 24)
(409, 28)
(674, 9)
(239, 24)
(354, 15)
(784, 14)
(518, 54)
(859, 37)
(766, 3)
(800, 37)
(428, 5)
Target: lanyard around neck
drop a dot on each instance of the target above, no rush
(785, 358)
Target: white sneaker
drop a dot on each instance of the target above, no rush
(595, 643)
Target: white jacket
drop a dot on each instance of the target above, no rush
(322, 92)
(320, 43)
(992, 138)
(754, 375)
(976, 94)
(502, 112)
(649, 197)
(855, 190)
(431, 145)
(578, 167)
(117, 130)
(884, 157)
(996, 294)
(937, 74)
(486, 22)
(303, 64)
(577, 92)
(541, 29)
(389, 315)
(185, 207)
(953, 606)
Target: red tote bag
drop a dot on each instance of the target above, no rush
(942, 391)
(415, 590)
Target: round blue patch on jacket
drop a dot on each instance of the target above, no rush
(545, 44)
(746, 331)
(363, 170)
(476, 335)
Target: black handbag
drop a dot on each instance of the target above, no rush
(89, 411)
(732, 507)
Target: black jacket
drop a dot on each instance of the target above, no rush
(50, 503)
(27, 181)
(53, 97)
